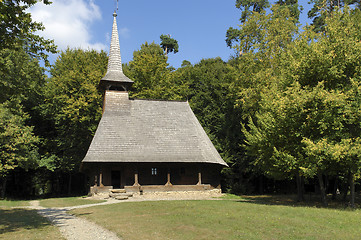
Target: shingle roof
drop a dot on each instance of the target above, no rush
(115, 71)
(149, 131)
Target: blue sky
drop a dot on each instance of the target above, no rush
(198, 25)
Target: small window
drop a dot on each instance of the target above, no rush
(154, 171)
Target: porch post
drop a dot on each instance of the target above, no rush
(168, 178)
(136, 183)
(101, 178)
(199, 177)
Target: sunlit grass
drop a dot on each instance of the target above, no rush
(222, 219)
(13, 203)
(67, 202)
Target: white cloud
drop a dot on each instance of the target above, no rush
(68, 22)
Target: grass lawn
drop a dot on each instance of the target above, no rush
(66, 202)
(25, 224)
(13, 203)
(223, 219)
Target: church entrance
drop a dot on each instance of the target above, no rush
(115, 178)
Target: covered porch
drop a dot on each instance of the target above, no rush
(152, 177)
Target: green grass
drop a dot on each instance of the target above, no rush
(25, 224)
(67, 202)
(223, 219)
(13, 203)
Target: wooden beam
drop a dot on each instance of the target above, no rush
(199, 177)
(168, 178)
(136, 182)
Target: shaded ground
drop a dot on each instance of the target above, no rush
(71, 227)
(25, 224)
(311, 200)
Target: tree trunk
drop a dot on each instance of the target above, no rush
(260, 186)
(334, 190)
(69, 184)
(3, 189)
(352, 190)
(345, 188)
(322, 189)
(300, 188)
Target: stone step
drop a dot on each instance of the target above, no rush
(121, 197)
(118, 190)
(113, 195)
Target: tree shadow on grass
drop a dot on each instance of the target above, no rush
(11, 220)
(291, 201)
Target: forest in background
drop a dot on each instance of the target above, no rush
(283, 112)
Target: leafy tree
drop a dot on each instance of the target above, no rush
(22, 78)
(18, 30)
(248, 8)
(72, 107)
(168, 44)
(278, 26)
(21, 83)
(308, 121)
(18, 145)
(152, 77)
(293, 7)
(324, 8)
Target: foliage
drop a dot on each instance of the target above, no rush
(249, 7)
(212, 100)
(22, 78)
(262, 32)
(293, 7)
(308, 120)
(168, 44)
(18, 144)
(152, 77)
(324, 8)
(18, 30)
(72, 107)
(17, 141)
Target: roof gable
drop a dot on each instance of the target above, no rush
(149, 131)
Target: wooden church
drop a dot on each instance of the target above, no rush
(147, 145)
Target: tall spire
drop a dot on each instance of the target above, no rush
(115, 78)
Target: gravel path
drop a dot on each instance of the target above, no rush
(74, 228)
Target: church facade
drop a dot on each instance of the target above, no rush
(147, 145)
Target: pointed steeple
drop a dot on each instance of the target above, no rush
(115, 78)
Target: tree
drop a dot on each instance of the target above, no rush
(72, 107)
(258, 26)
(248, 8)
(18, 144)
(152, 77)
(212, 97)
(307, 123)
(293, 6)
(168, 44)
(18, 30)
(324, 8)
(21, 77)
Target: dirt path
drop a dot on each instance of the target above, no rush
(74, 228)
